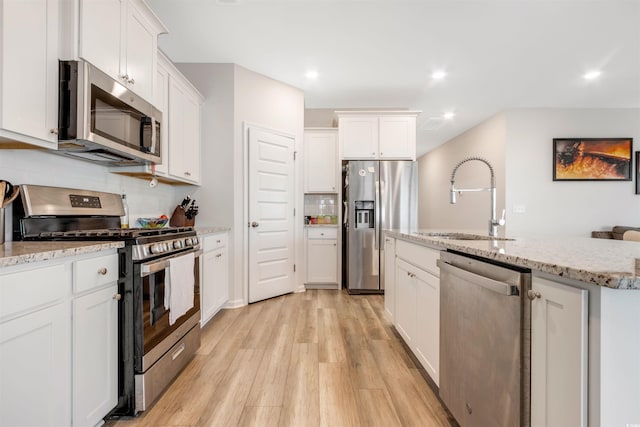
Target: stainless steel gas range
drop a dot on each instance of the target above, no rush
(154, 343)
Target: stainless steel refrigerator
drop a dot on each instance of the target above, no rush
(378, 195)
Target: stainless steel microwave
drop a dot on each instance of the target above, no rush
(101, 121)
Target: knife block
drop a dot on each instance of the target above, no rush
(179, 219)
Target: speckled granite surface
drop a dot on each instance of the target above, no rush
(202, 230)
(14, 253)
(603, 262)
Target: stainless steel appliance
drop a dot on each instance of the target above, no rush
(485, 345)
(378, 195)
(152, 350)
(101, 121)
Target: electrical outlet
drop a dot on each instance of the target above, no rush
(519, 209)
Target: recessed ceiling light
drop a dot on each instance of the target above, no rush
(591, 75)
(448, 115)
(312, 75)
(439, 75)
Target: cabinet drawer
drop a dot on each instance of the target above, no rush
(322, 233)
(95, 272)
(29, 289)
(420, 256)
(214, 241)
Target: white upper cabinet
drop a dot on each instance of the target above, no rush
(29, 72)
(120, 37)
(384, 135)
(321, 171)
(184, 130)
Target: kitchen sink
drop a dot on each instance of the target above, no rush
(459, 236)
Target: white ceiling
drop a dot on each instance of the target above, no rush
(381, 53)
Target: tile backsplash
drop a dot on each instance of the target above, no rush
(321, 208)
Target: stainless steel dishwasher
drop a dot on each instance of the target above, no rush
(485, 333)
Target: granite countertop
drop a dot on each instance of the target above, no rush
(603, 262)
(321, 225)
(14, 253)
(202, 230)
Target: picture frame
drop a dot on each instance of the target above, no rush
(592, 159)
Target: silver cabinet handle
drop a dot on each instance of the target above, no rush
(533, 294)
(218, 255)
(103, 271)
(131, 81)
(254, 224)
(117, 297)
(187, 174)
(54, 131)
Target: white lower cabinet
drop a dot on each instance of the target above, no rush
(417, 303)
(95, 355)
(59, 351)
(559, 331)
(34, 369)
(322, 255)
(214, 288)
(390, 277)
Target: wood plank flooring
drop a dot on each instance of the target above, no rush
(318, 358)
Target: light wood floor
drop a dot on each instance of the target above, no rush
(319, 358)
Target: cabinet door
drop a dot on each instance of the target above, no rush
(161, 102)
(322, 261)
(29, 71)
(321, 162)
(184, 132)
(397, 137)
(101, 35)
(358, 137)
(390, 277)
(95, 355)
(558, 355)
(139, 59)
(35, 365)
(405, 315)
(427, 339)
(215, 282)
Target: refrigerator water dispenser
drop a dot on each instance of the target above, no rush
(364, 214)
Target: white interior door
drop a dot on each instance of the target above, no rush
(271, 204)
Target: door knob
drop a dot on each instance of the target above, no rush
(254, 224)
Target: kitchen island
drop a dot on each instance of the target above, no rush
(585, 314)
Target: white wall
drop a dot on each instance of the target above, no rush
(519, 145)
(44, 168)
(236, 96)
(560, 207)
(472, 210)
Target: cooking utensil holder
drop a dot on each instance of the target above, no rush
(179, 219)
(2, 226)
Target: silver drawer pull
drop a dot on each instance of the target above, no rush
(218, 255)
(178, 352)
(103, 271)
(533, 294)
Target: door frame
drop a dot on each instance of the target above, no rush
(297, 200)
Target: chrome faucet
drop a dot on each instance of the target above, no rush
(493, 222)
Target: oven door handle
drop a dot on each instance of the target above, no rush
(155, 266)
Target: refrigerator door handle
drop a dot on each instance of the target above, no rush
(376, 216)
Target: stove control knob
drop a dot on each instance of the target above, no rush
(188, 241)
(177, 244)
(195, 241)
(156, 248)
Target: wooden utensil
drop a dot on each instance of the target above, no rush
(10, 199)
(3, 188)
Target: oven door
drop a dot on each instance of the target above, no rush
(154, 335)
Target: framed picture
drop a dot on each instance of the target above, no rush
(592, 159)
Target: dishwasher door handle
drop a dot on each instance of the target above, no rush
(476, 279)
